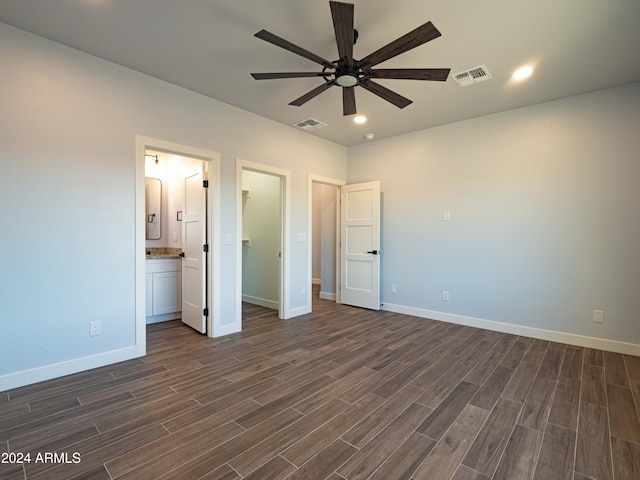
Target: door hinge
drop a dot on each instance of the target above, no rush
(205, 248)
(205, 312)
(205, 184)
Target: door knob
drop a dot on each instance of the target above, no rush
(375, 252)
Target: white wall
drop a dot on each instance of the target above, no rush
(545, 219)
(67, 188)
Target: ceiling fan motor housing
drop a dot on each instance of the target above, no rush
(347, 76)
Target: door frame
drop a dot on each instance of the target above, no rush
(285, 210)
(335, 183)
(143, 143)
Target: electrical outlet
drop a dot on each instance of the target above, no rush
(598, 316)
(445, 295)
(394, 289)
(303, 290)
(95, 328)
(446, 216)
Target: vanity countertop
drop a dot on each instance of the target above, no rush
(162, 252)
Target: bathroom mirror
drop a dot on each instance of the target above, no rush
(153, 197)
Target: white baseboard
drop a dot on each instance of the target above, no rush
(328, 296)
(261, 302)
(222, 330)
(542, 334)
(48, 372)
(296, 312)
(165, 317)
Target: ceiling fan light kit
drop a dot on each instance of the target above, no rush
(347, 72)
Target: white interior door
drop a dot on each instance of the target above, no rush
(194, 249)
(360, 245)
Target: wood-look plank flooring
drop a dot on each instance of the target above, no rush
(341, 393)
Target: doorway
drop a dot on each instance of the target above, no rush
(176, 227)
(357, 247)
(262, 229)
(324, 235)
(324, 240)
(210, 160)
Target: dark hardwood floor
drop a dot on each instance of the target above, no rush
(342, 393)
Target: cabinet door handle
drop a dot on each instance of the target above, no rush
(181, 254)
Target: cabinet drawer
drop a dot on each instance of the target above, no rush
(158, 265)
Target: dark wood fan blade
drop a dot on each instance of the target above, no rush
(383, 92)
(413, 39)
(281, 42)
(433, 74)
(342, 14)
(348, 101)
(269, 76)
(312, 94)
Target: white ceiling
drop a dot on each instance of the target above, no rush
(207, 46)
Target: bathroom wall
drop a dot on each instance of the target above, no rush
(160, 170)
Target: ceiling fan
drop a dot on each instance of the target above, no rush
(347, 72)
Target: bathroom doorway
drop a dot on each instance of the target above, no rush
(179, 159)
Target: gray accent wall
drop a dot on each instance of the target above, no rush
(545, 218)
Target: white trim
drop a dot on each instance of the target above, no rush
(296, 312)
(285, 191)
(261, 302)
(143, 143)
(56, 370)
(336, 183)
(315, 281)
(163, 317)
(139, 258)
(525, 331)
(328, 296)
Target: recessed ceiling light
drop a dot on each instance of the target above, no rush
(522, 73)
(360, 119)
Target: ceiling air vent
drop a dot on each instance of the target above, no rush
(471, 76)
(310, 124)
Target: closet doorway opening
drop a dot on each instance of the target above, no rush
(324, 235)
(262, 229)
(324, 239)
